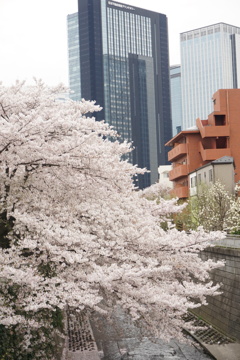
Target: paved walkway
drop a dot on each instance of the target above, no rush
(224, 352)
(120, 340)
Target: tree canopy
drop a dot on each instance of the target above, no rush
(76, 231)
(215, 208)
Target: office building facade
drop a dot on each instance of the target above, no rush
(74, 57)
(124, 66)
(176, 98)
(210, 60)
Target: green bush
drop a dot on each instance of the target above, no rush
(11, 339)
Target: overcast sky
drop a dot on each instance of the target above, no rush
(33, 33)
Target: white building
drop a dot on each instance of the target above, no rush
(221, 170)
(163, 171)
(210, 60)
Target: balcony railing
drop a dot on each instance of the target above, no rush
(177, 151)
(180, 192)
(178, 171)
(213, 154)
(213, 131)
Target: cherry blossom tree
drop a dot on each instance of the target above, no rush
(76, 232)
(215, 208)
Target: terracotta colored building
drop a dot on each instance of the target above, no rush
(212, 139)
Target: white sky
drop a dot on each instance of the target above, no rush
(33, 33)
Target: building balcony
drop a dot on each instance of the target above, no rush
(177, 151)
(180, 192)
(177, 172)
(213, 154)
(213, 131)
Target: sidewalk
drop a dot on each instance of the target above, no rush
(224, 352)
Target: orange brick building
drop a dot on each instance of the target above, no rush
(213, 138)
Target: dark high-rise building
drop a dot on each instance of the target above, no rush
(118, 56)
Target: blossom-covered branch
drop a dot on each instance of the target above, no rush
(78, 232)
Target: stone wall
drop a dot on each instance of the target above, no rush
(232, 241)
(223, 311)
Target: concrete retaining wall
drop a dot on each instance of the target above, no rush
(232, 241)
(223, 311)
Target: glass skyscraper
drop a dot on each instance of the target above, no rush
(74, 57)
(210, 60)
(123, 64)
(176, 98)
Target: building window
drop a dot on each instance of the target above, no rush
(199, 179)
(220, 120)
(221, 142)
(193, 181)
(166, 175)
(210, 175)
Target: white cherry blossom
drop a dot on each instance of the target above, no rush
(78, 232)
